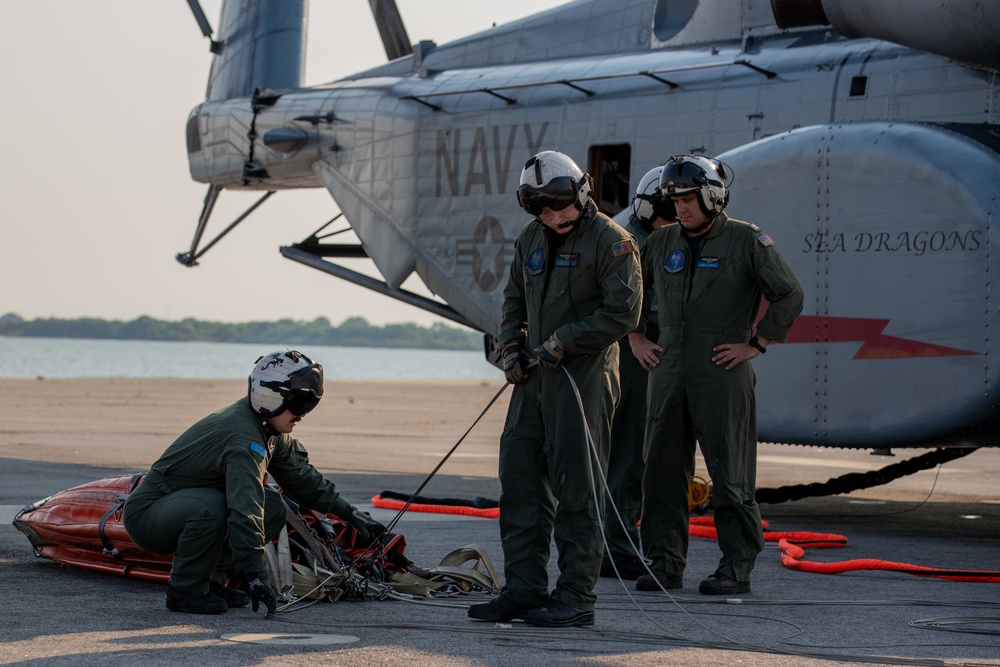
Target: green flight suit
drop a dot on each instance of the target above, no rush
(705, 301)
(589, 293)
(204, 499)
(628, 431)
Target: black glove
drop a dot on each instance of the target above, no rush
(514, 367)
(550, 353)
(261, 591)
(367, 527)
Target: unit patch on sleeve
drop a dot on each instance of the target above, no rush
(622, 248)
(258, 451)
(765, 240)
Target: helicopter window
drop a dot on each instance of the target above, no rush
(859, 85)
(671, 16)
(609, 165)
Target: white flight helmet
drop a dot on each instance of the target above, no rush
(649, 202)
(552, 180)
(285, 380)
(683, 174)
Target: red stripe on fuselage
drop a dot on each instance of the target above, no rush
(868, 331)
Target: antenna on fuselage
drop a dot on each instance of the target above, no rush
(390, 28)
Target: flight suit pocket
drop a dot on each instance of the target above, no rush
(776, 281)
(570, 481)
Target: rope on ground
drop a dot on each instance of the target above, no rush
(855, 481)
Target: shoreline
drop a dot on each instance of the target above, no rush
(130, 421)
(408, 426)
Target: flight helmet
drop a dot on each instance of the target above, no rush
(552, 180)
(285, 380)
(683, 174)
(649, 202)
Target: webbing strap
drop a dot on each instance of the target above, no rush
(109, 549)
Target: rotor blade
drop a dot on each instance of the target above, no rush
(199, 16)
(390, 28)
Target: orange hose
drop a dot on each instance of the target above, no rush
(793, 545)
(791, 557)
(387, 504)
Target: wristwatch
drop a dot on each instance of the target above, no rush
(754, 343)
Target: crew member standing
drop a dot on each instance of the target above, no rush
(649, 211)
(574, 289)
(708, 273)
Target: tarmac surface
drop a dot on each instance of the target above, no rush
(941, 518)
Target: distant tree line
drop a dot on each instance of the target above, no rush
(353, 332)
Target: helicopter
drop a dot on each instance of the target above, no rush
(864, 137)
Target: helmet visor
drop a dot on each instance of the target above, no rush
(684, 174)
(301, 403)
(555, 195)
(664, 208)
(305, 388)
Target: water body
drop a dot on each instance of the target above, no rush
(22, 357)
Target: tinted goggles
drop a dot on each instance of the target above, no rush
(301, 402)
(305, 389)
(663, 207)
(556, 195)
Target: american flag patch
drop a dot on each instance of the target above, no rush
(765, 240)
(622, 248)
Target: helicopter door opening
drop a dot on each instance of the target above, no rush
(609, 165)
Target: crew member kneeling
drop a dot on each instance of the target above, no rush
(204, 500)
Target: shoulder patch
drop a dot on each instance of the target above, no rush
(765, 240)
(622, 248)
(258, 451)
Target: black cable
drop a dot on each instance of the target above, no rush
(957, 623)
(451, 451)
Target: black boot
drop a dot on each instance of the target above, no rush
(194, 604)
(658, 580)
(720, 584)
(558, 615)
(233, 597)
(500, 609)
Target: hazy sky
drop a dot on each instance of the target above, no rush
(97, 198)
